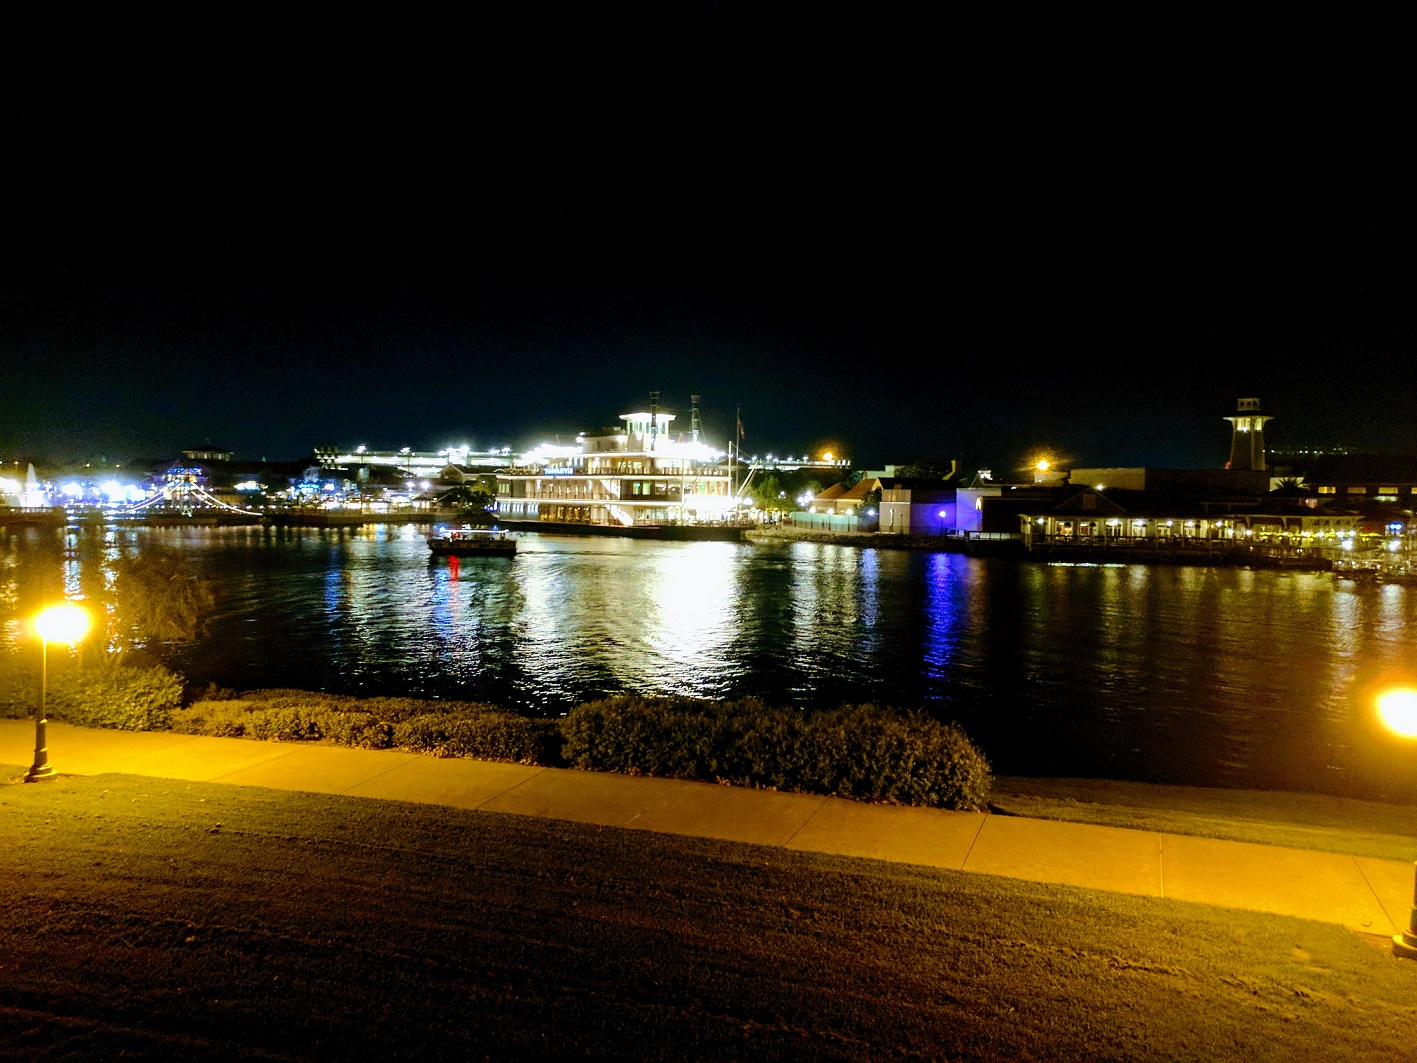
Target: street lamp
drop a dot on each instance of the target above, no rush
(1397, 709)
(58, 623)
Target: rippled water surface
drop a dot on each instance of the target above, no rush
(1194, 675)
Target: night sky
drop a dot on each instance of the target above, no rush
(902, 239)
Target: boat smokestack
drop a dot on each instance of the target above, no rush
(653, 418)
(694, 418)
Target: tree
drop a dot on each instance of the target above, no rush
(474, 505)
(924, 469)
(157, 599)
(31, 578)
(769, 494)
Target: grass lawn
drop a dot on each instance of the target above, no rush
(162, 919)
(1300, 821)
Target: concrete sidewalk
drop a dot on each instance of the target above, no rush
(1367, 895)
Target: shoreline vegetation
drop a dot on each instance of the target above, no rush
(862, 752)
(865, 752)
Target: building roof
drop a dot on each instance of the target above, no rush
(1363, 469)
(858, 490)
(1147, 504)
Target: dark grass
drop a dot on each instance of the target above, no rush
(160, 919)
(1298, 821)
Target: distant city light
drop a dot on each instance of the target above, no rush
(73, 489)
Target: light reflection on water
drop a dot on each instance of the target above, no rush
(1213, 676)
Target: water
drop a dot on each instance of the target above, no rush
(1187, 675)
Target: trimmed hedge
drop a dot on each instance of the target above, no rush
(442, 728)
(109, 695)
(860, 751)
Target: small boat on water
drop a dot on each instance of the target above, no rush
(471, 542)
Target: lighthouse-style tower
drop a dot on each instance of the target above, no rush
(1247, 437)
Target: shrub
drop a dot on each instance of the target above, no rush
(487, 736)
(860, 751)
(108, 695)
(450, 729)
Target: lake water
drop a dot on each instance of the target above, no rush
(1169, 674)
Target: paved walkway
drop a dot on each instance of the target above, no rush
(1368, 895)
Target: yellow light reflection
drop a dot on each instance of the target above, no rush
(1398, 711)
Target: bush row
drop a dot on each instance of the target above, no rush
(860, 751)
(442, 728)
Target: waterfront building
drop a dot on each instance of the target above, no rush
(1218, 483)
(918, 506)
(1122, 517)
(841, 500)
(638, 474)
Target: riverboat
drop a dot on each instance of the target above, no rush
(471, 542)
(721, 533)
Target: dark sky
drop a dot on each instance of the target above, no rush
(890, 233)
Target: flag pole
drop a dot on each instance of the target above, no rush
(732, 471)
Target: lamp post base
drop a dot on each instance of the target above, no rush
(1404, 946)
(40, 772)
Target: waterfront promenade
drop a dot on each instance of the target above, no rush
(1367, 895)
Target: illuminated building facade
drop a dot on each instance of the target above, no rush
(1247, 436)
(632, 476)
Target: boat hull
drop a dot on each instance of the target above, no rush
(501, 546)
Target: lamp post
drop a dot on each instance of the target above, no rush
(1398, 711)
(58, 623)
